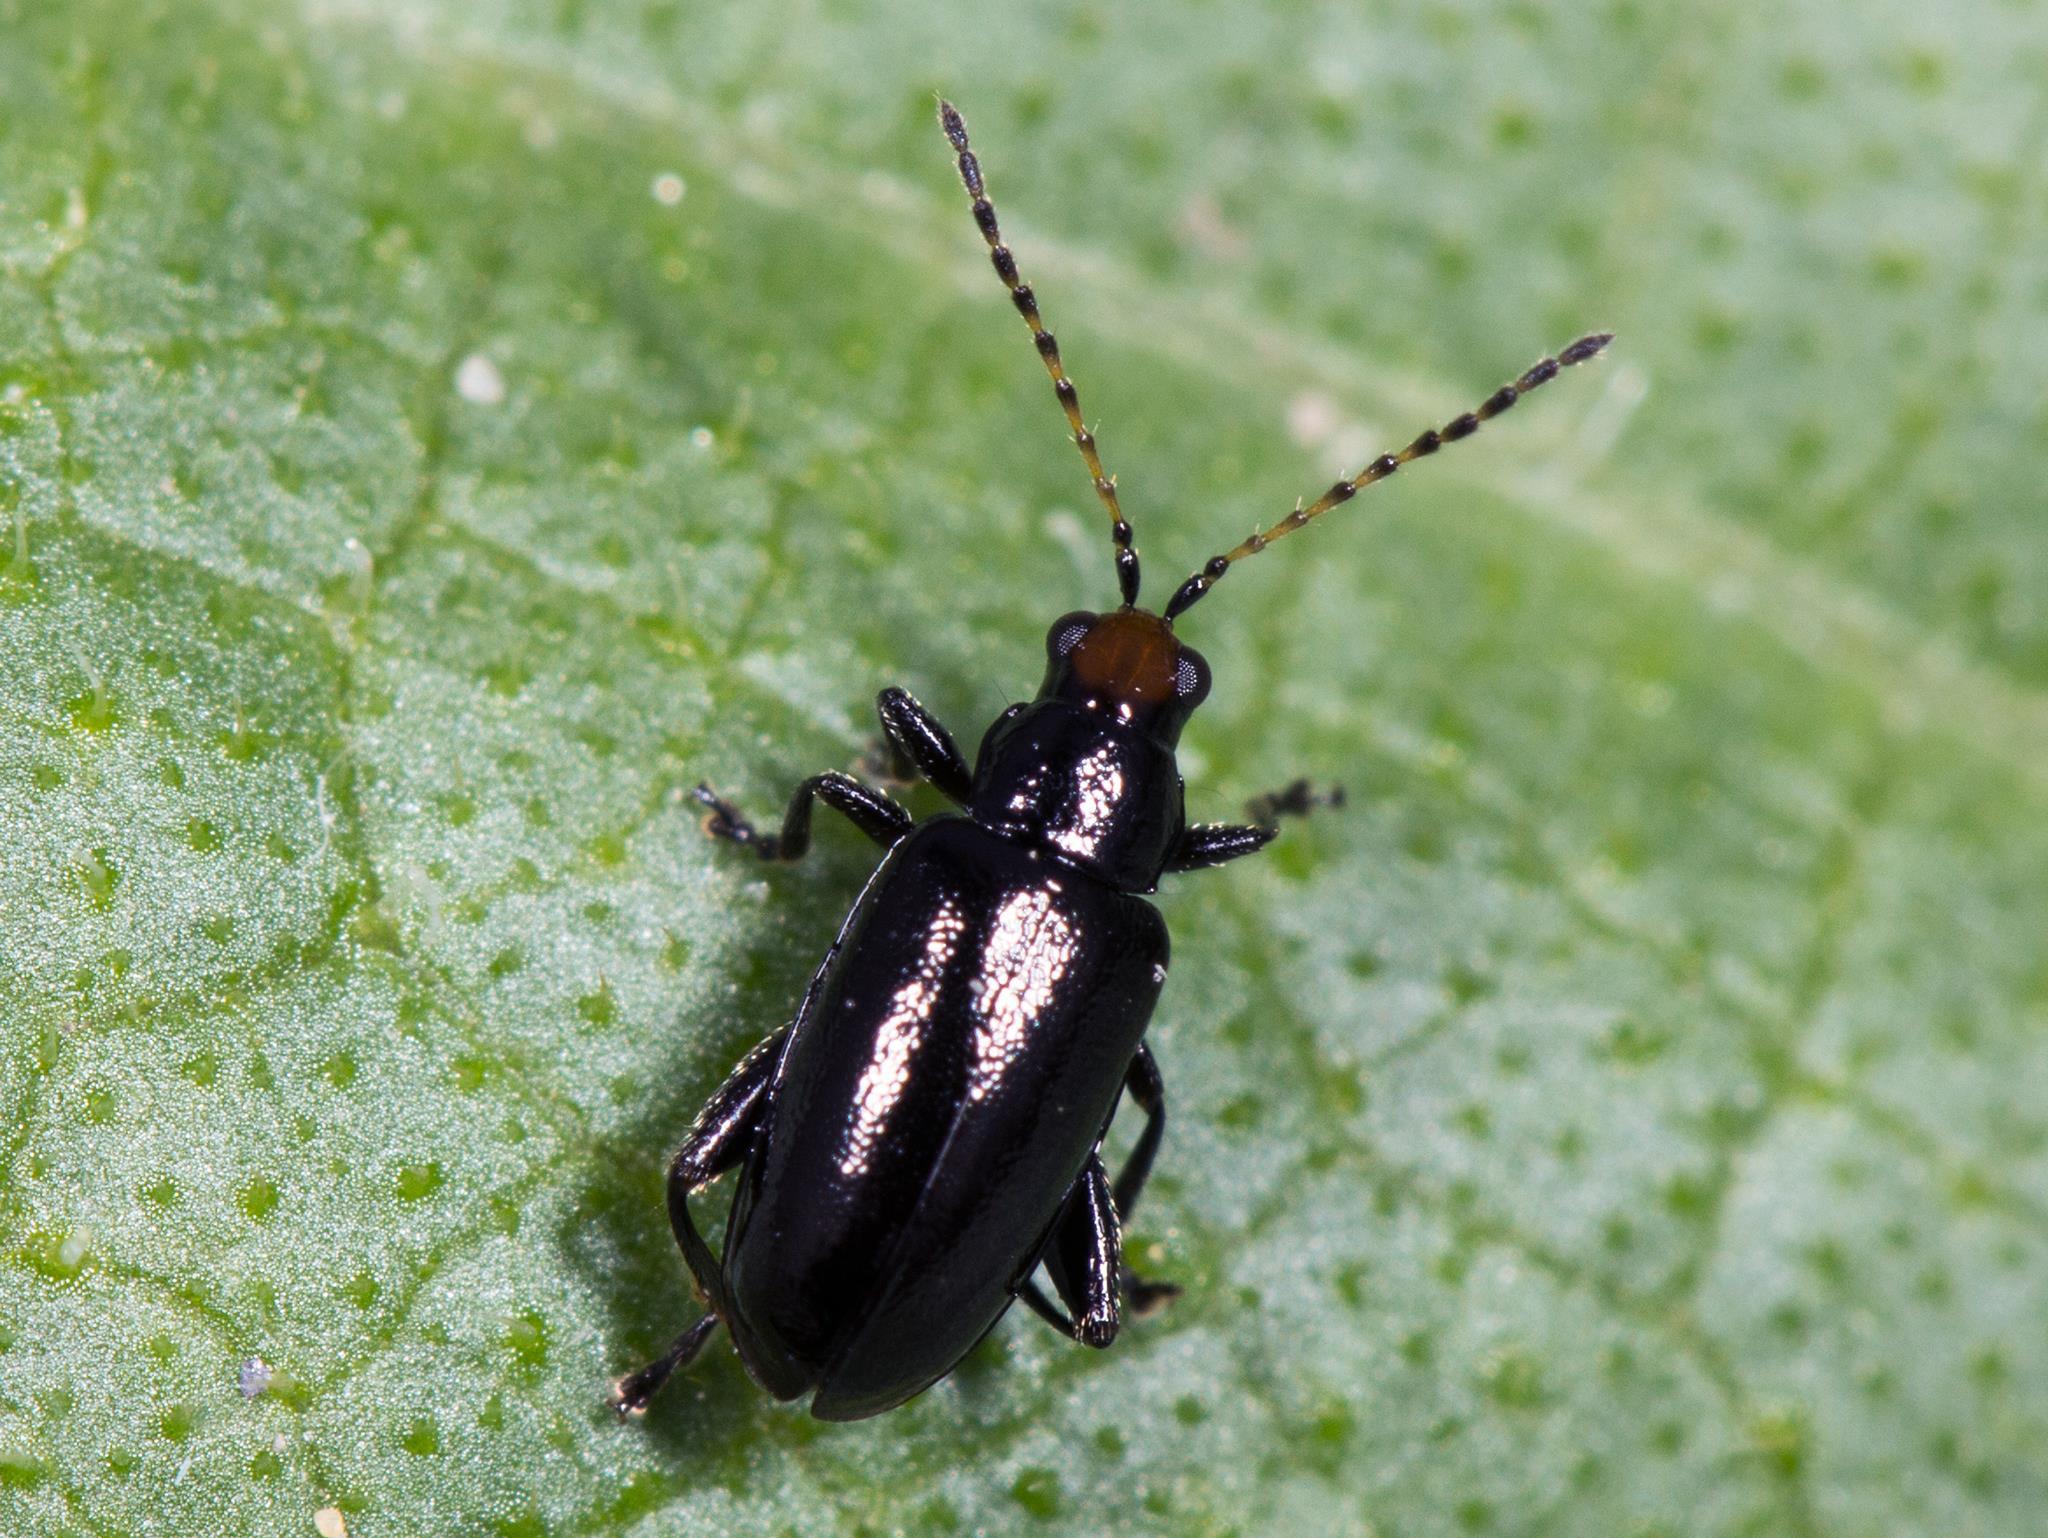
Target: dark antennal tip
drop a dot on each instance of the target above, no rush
(950, 121)
(1464, 425)
(1585, 347)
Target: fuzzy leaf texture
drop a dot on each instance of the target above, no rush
(434, 436)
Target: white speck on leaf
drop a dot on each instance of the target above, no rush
(71, 1254)
(668, 189)
(1312, 416)
(254, 1377)
(478, 381)
(413, 882)
(355, 555)
(328, 1523)
(93, 677)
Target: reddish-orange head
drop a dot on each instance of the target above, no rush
(1129, 665)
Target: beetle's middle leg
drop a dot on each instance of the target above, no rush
(718, 1140)
(874, 813)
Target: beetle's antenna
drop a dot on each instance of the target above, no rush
(1541, 372)
(1048, 348)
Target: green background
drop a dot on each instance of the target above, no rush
(1628, 1116)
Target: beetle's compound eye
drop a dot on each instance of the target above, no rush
(1191, 677)
(1067, 631)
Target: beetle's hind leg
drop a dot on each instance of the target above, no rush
(718, 1141)
(1085, 1259)
(871, 811)
(1085, 1262)
(1148, 1089)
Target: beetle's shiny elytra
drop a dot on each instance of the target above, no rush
(926, 1134)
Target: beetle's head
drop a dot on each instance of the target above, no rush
(1088, 769)
(1129, 665)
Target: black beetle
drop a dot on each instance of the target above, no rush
(927, 1132)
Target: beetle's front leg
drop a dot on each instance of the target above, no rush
(1205, 844)
(718, 1140)
(871, 811)
(1297, 798)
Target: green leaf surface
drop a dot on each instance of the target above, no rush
(434, 436)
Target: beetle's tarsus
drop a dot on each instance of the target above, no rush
(722, 820)
(1147, 1298)
(632, 1394)
(1296, 799)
